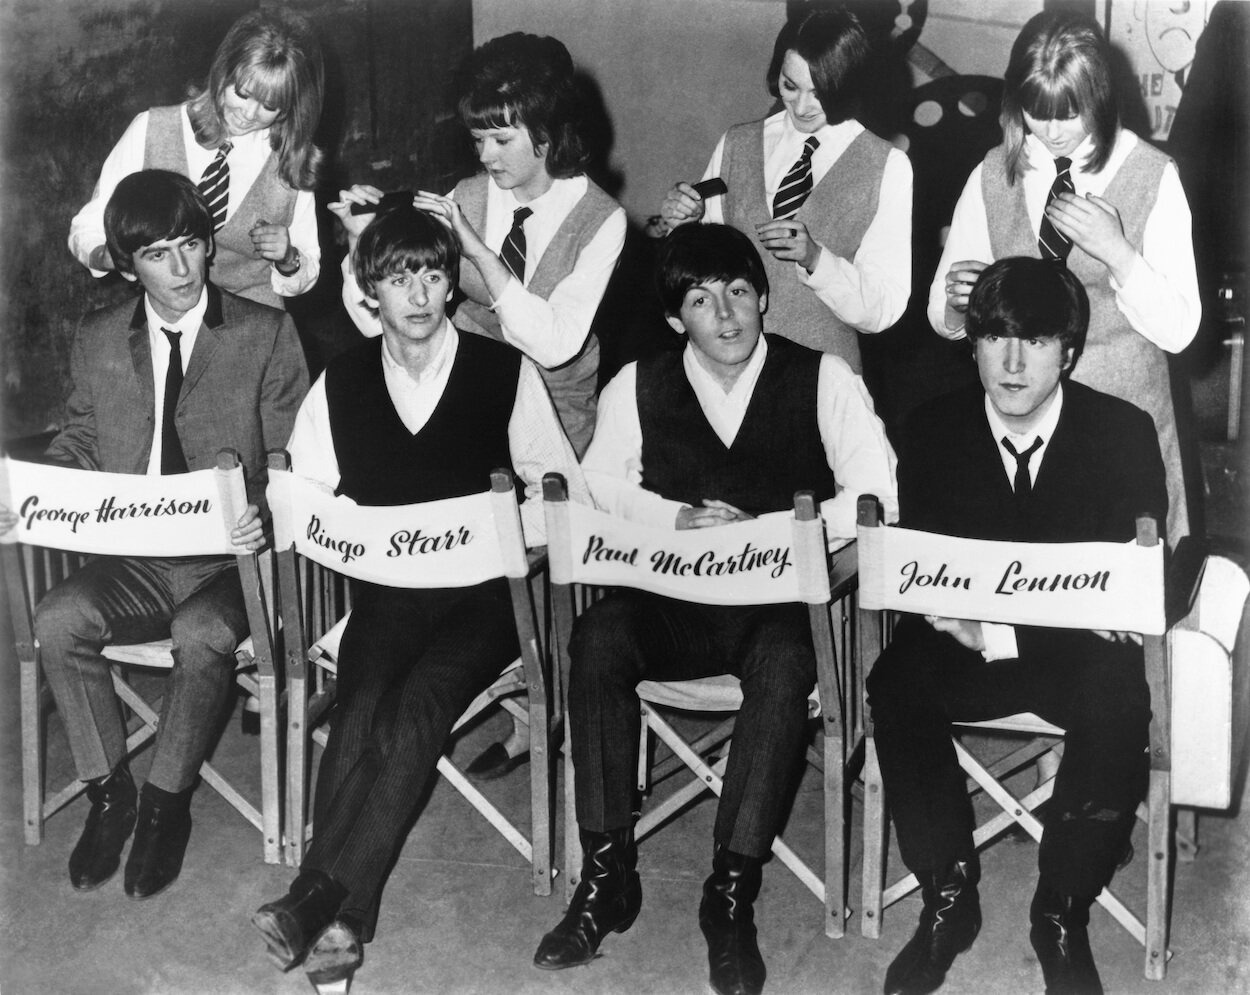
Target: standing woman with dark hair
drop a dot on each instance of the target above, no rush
(827, 199)
(1070, 184)
(247, 139)
(539, 238)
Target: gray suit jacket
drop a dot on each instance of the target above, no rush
(244, 383)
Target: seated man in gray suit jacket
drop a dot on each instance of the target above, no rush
(159, 387)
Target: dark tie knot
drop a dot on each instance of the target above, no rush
(1023, 457)
(223, 149)
(175, 338)
(810, 146)
(1062, 165)
(519, 216)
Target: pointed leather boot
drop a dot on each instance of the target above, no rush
(290, 924)
(607, 900)
(727, 918)
(949, 922)
(161, 833)
(111, 820)
(1061, 942)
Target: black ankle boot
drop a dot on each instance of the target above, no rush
(949, 922)
(111, 820)
(607, 900)
(1061, 942)
(290, 924)
(727, 918)
(161, 833)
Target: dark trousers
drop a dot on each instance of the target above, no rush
(632, 636)
(1094, 689)
(196, 601)
(410, 663)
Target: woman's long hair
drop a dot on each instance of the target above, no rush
(274, 56)
(1060, 67)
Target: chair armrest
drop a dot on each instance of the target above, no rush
(1184, 575)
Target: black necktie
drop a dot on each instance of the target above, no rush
(215, 186)
(1023, 484)
(172, 459)
(513, 251)
(1050, 242)
(797, 183)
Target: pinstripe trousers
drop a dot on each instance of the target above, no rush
(410, 663)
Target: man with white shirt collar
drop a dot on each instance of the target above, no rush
(159, 388)
(1028, 454)
(691, 440)
(421, 413)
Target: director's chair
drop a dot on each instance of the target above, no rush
(1200, 694)
(42, 552)
(811, 581)
(498, 551)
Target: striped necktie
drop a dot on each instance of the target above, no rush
(215, 186)
(1051, 243)
(797, 183)
(172, 458)
(513, 251)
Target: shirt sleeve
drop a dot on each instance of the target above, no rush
(303, 233)
(968, 238)
(539, 446)
(870, 291)
(311, 445)
(613, 461)
(369, 324)
(856, 447)
(552, 331)
(86, 230)
(1160, 298)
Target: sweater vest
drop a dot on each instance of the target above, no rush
(837, 213)
(235, 266)
(572, 386)
(452, 455)
(777, 451)
(1116, 359)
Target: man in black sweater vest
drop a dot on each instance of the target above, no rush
(422, 413)
(691, 440)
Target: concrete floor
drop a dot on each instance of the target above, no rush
(459, 918)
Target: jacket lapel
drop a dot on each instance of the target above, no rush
(206, 342)
(141, 357)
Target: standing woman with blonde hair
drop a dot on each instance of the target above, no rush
(1070, 184)
(246, 139)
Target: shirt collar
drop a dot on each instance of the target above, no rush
(1041, 158)
(189, 323)
(445, 355)
(705, 382)
(1044, 429)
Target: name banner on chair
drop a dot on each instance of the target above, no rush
(87, 511)
(744, 563)
(452, 543)
(1079, 585)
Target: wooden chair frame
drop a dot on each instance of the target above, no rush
(527, 675)
(1018, 810)
(29, 573)
(835, 674)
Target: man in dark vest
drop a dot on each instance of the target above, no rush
(420, 413)
(1026, 454)
(690, 440)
